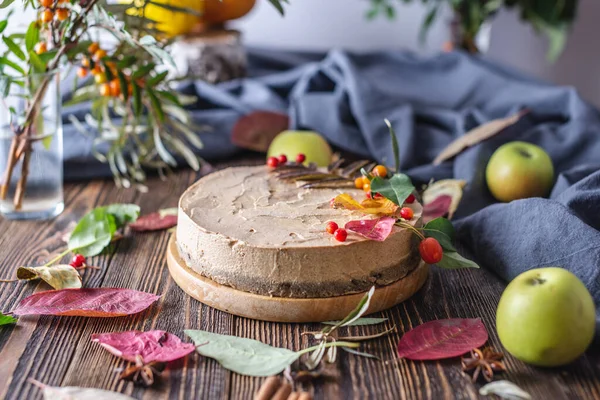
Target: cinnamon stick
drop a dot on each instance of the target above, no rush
(268, 388)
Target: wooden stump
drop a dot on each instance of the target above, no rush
(214, 56)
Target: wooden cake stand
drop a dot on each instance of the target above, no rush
(283, 309)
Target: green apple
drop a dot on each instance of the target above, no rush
(311, 144)
(518, 170)
(546, 317)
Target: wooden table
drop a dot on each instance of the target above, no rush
(58, 350)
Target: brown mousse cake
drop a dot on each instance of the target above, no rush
(245, 228)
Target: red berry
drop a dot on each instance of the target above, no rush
(340, 235)
(331, 227)
(369, 196)
(410, 199)
(272, 162)
(282, 159)
(407, 213)
(431, 250)
(378, 196)
(300, 158)
(77, 261)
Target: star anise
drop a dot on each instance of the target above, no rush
(141, 373)
(484, 363)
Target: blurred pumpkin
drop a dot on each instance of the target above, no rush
(219, 11)
(171, 22)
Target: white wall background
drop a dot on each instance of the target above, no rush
(323, 24)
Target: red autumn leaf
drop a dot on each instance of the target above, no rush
(442, 338)
(154, 222)
(374, 229)
(152, 346)
(437, 208)
(257, 130)
(102, 302)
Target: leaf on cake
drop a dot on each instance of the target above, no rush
(151, 346)
(7, 319)
(374, 229)
(257, 130)
(157, 221)
(442, 338)
(477, 135)
(73, 392)
(57, 276)
(368, 206)
(505, 390)
(442, 198)
(247, 356)
(101, 302)
(397, 188)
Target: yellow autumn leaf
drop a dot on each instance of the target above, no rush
(369, 206)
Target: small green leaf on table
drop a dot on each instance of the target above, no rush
(505, 390)
(57, 276)
(396, 189)
(7, 319)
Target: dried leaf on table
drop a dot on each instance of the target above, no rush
(257, 130)
(159, 346)
(443, 338)
(157, 221)
(369, 206)
(476, 135)
(78, 393)
(505, 390)
(360, 322)
(374, 229)
(441, 198)
(7, 319)
(101, 302)
(57, 276)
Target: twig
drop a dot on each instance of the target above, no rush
(22, 184)
(10, 164)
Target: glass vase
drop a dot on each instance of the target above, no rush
(31, 148)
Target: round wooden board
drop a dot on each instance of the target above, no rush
(280, 309)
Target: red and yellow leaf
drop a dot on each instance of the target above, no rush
(381, 206)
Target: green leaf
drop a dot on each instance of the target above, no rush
(32, 36)
(123, 213)
(169, 97)
(441, 237)
(443, 225)
(47, 56)
(143, 71)
(359, 310)
(57, 276)
(47, 141)
(453, 260)
(396, 189)
(277, 4)
(36, 62)
(155, 80)
(6, 3)
(3, 25)
(395, 146)
(427, 22)
(93, 233)
(107, 71)
(505, 390)
(360, 322)
(126, 62)
(247, 356)
(137, 99)
(7, 319)
(156, 105)
(12, 46)
(123, 83)
(5, 61)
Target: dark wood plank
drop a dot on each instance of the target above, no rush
(58, 351)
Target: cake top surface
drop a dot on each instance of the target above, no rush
(250, 205)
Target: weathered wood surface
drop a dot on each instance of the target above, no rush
(58, 350)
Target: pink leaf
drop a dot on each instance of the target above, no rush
(154, 222)
(102, 302)
(159, 346)
(374, 229)
(442, 338)
(257, 130)
(437, 208)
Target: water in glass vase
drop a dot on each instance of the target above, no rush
(43, 192)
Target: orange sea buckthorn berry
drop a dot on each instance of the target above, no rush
(115, 88)
(94, 47)
(359, 182)
(41, 47)
(366, 187)
(85, 62)
(47, 15)
(62, 14)
(105, 89)
(82, 72)
(100, 78)
(97, 70)
(380, 171)
(99, 54)
(46, 3)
